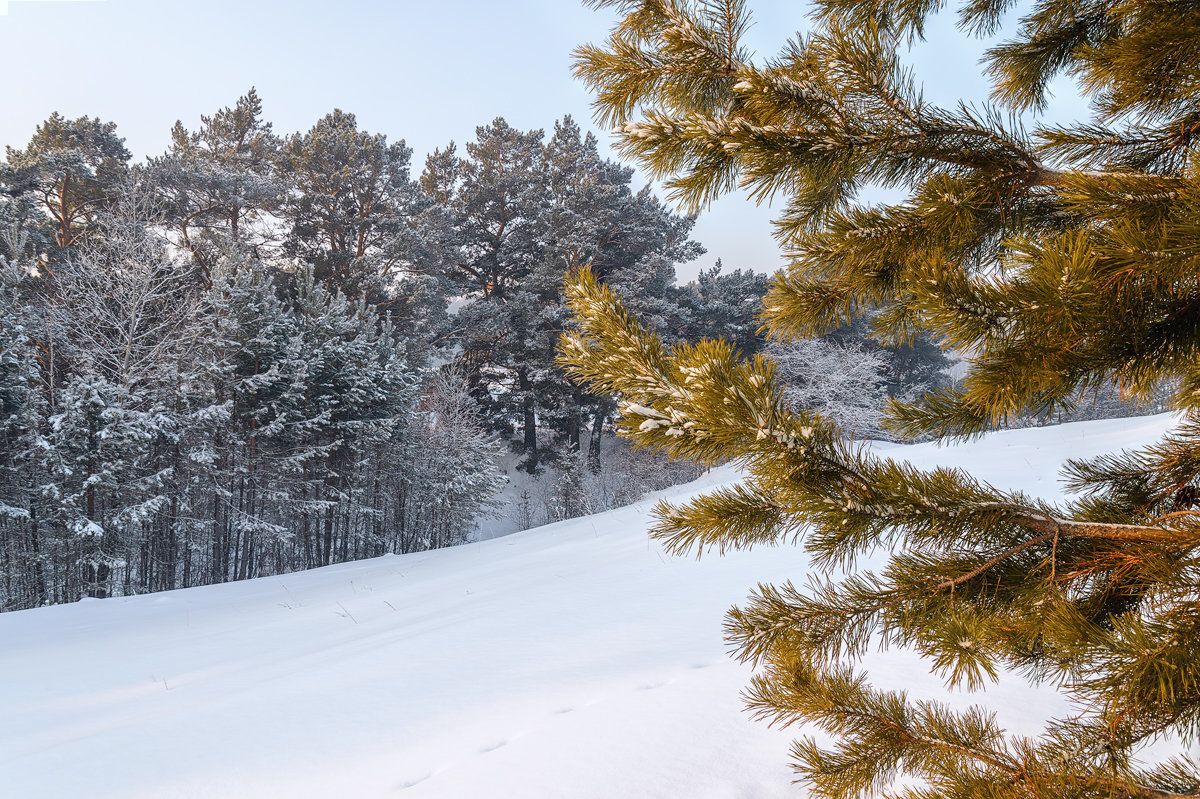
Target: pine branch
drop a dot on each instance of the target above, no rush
(1062, 262)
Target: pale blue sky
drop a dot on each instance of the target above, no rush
(425, 72)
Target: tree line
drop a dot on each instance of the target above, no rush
(258, 352)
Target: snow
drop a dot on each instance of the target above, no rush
(573, 660)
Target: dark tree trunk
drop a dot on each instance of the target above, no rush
(530, 421)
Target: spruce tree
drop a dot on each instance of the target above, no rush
(22, 562)
(1062, 258)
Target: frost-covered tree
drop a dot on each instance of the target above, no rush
(123, 313)
(22, 559)
(319, 395)
(360, 390)
(844, 383)
(1061, 258)
(105, 486)
(125, 302)
(912, 368)
(453, 480)
(158, 430)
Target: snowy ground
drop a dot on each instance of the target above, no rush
(574, 660)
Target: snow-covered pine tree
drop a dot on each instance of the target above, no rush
(1061, 260)
(720, 304)
(256, 382)
(569, 497)
(320, 395)
(359, 393)
(22, 560)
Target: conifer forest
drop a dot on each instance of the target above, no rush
(258, 352)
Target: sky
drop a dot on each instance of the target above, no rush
(424, 72)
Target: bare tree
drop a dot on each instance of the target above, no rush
(128, 300)
(844, 382)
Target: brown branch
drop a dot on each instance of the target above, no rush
(992, 561)
(1034, 519)
(1051, 529)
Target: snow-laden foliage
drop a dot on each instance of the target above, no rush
(453, 476)
(175, 435)
(237, 358)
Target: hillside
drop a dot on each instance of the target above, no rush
(573, 660)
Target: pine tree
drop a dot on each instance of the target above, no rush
(518, 212)
(1061, 259)
(219, 179)
(720, 304)
(492, 197)
(351, 205)
(73, 168)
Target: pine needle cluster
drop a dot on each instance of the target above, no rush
(1062, 259)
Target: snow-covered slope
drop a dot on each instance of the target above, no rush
(575, 660)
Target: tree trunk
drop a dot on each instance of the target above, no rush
(530, 420)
